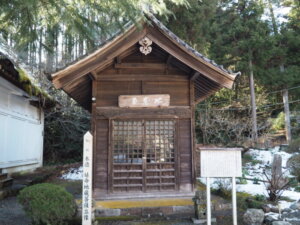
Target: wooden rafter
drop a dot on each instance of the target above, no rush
(140, 65)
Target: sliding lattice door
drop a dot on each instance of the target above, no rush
(143, 155)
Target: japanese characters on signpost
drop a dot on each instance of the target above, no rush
(221, 162)
(132, 101)
(87, 179)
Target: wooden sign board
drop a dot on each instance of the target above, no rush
(87, 179)
(144, 101)
(221, 162)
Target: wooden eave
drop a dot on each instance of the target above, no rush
(74, 77)
(101, 57)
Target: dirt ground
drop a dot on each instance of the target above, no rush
(11, 213)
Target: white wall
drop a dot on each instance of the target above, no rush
(21, 130)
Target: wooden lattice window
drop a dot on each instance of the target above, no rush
(127, 141)
(143, 155)
(159, 141)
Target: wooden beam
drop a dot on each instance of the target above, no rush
(115, 112)
(140, 77)
(92, 75)
(140, 65)
(179, 52)
(195, 76)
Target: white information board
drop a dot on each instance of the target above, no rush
(87, 179)
(221, 162)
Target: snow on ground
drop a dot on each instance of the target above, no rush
(265, 158)
(73, 174)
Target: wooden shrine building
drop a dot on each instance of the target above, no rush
(141, 88)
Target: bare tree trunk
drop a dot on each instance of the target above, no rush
(274, 24)
(253, 104)
(50, 42)
(288, 134)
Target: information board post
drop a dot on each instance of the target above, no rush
(87, 179)
(221, 163)
(208, 206)
(234, 209)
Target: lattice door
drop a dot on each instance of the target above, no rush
(143, 155)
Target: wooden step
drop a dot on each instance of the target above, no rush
(3, 176)
(6, 182)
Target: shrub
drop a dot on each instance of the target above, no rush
(245, 201)
(278, 123)
(294, 146)
(47, 204)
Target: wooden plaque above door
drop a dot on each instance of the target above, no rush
(144, 101)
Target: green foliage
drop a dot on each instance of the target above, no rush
(245, 201)
(196, 23)
(247, 158)
(294, 146)
(87, 20)
(279, 122)
(260, 198)
(297, 188)
(243, 179)
(255, 181)
(47, 204)
(32, 89)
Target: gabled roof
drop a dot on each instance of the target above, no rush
(208, 76)
(11, 71)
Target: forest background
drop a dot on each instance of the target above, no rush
(259, 38)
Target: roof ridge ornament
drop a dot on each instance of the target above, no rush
(145, 45)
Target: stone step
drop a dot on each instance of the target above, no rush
(6, 182)
(3, 176)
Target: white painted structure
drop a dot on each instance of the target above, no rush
(87, 179)
(21, 130)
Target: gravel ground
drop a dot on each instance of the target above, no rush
(11, 213)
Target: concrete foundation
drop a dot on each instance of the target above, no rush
(180, 207)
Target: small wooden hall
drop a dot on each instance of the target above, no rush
(141, 88)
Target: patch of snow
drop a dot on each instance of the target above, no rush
(265, 158)
(294, 219)
(285, 204)
(253, 189)
(73, 174)
(294, 195)
(274, 216)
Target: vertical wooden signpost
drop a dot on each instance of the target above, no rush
(87, 179)
(222, 163)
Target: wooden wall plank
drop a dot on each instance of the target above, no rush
(185, 154)
(110, 91)
(101, 156)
